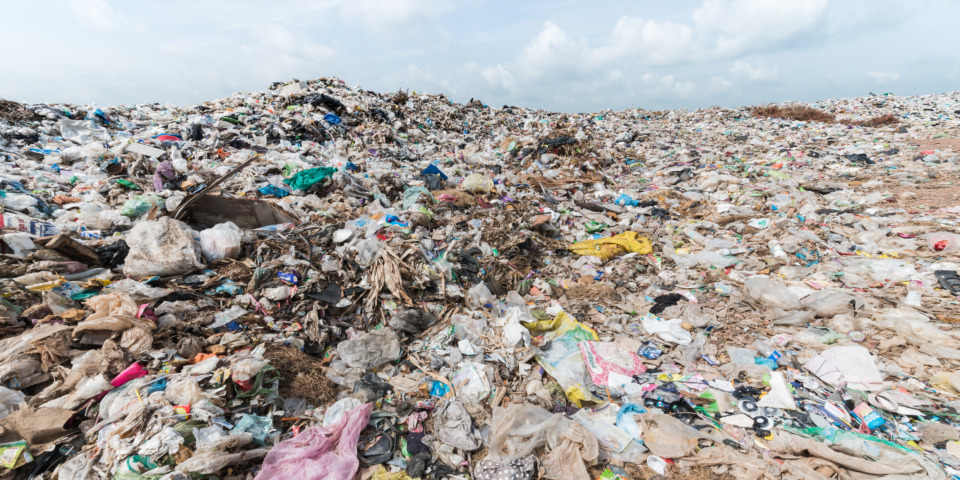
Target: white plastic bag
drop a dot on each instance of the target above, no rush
(942, 242)
(10, 400)
(221, 241)
(477, 183)
(667, 330)
(183, 390)
(771, 293)
(851, 364)
(779, 395)
(478, 296)
(17, 201)
(164, 247)
(82, 131)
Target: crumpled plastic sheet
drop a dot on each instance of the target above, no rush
(455, 427)
(307, 178)
(113, 312)
(519, 429)
(615, 246)
(860, 457)
(319, 453)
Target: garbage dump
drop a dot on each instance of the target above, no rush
(319, 281)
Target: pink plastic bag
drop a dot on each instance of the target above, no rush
(606, 358)
(319, 453)
(132, 372)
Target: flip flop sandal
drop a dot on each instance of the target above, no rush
(949, 280)
(377, 448)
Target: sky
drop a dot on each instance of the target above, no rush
(563, 55)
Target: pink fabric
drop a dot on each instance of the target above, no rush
(319, 453)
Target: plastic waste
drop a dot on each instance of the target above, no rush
(942, 242)
(163, 247)
(370, 350)
(477, 183)
(319, 453)
(140, 205)
(771, 294)
(612, 247)
(221, 241)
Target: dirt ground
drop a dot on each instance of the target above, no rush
(925, 197)
(940, 144)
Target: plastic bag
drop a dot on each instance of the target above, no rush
(183, 390)
(164, 247)
(570, 453)
(17, 201)
(666, 436)
(826, 303)
(454, 426)
(307, 178)
(851, 364)
(341, 407)
(83, 131)
(562, 358)
(942, 242)
(609, 365)
(412, 196)
(779, 395)
(140, 205)
(10, 401)
(519, 429)
(917, 330)
(512, 331)
(221, 241)
(612, 247)
(113, 312)
(371, 350)
(246, 368)
(166, 442)
(207, 463)
(319, 453)
(86, 389)
(667, 330)
(478, 296)
(477, 183)
(412, 320)
(771, 293)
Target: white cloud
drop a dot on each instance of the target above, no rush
(95, 13)
(754, 25)
(719, 84)
(882, 77)
(499, 77)
(745, 71)
(392, 16)
(669, 85)
(571, 56)
(717, 30)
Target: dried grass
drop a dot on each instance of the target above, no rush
(594, 292)
(880, 121)
(386, 272)
(463, 199)
(560, 182)
(802, 113)
(302, 375)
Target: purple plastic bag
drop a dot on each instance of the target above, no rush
(319, 453)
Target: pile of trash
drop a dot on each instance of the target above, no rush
(318, 281)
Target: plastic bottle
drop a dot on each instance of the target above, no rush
(767, 350)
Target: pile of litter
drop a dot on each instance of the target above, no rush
(318, 281)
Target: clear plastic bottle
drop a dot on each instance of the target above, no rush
(767, 350)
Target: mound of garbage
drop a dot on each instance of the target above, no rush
(317, 281)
